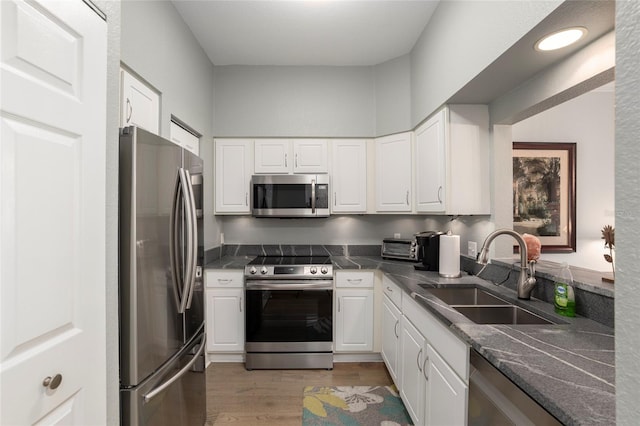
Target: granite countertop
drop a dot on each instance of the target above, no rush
(567, 367)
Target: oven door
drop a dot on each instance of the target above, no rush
(290, 195)
(289, 316)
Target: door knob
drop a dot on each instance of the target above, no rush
(52, 383)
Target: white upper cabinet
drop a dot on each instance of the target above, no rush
(452, 161)
(233, 170)
(139, 104)
(273, 156)
(349, 176)
(310, 156)
(394, 173)
(184, 138)
(283, 156)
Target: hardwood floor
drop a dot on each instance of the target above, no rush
(239, 397)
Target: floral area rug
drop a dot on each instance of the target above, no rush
(353, 406)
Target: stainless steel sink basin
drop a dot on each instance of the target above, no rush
(466, 296)
(508, 314)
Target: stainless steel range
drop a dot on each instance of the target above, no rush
(289, 312)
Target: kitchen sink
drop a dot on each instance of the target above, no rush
(466, 296)
(509, 314)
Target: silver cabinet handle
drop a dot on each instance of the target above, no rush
(129, 110)
(440, 194)
(296, 160)
(354, 280)
(335, 199)
(224, 281)
(148, 397)
(395, 329)
(407, 197)
(52, 382)
(240, 304)
(389, 289)
(285, 160)
(424, 368)
(246, 198)
(418, 360)
(338, 304)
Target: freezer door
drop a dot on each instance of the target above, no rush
(151, 329)
(194, 315)
(174, 396)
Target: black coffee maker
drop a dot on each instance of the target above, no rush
(428, 250)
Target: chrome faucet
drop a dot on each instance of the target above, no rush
(527, 279)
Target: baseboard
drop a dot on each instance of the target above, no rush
(221, 357)
(357, 357)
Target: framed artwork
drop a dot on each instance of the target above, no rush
(544, 193)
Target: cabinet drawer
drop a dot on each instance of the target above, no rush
(224, 279)
(354, 279)
(392, 291)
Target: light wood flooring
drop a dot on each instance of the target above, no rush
(238, 397)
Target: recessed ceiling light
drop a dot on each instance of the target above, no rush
(560, 39)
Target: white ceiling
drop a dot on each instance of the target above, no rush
(312, 32)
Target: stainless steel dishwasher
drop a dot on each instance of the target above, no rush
(495, 400)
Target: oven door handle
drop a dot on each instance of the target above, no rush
(289, 285)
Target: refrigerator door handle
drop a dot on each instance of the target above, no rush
(174, 224)
(192, 240)
(185, 182)
(154, 392)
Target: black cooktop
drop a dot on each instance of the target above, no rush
(291, 260)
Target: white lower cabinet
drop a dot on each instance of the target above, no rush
(446, 395)
(428, 363)
(354, 311)
(413, 351)
(225, 311)
(390, 350)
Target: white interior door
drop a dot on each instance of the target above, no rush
(52, 204)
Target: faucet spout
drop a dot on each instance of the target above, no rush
(526, 280)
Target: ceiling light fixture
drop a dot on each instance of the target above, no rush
(560, 39)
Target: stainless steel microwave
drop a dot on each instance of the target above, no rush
(290, 195)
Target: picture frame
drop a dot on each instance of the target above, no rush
(544, 193)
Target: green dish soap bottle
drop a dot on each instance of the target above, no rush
(564, 299)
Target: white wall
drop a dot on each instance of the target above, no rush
(463, 38)
(270, 101)
(589, 121)
(393, 96)
(157, 45)
(627, 315)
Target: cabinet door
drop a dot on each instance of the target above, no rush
(391, 338)
(234, 160)
(310, 156)
(412, 352)
(354, 320)
(273, 156)
(140, 104)
(225, 320)
(393, 173)
(446, 396)
(349, 176)
(184, 138)
(431, 163)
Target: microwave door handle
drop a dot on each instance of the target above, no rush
(313, 196)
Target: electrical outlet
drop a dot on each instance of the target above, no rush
(396, 235)
(472, 249)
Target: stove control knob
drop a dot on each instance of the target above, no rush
(263, 270)
(253, 270)
(313, 269)
(324, 269)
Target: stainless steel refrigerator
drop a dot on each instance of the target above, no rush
(162, 338)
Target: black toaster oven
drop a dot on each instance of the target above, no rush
(398, 248)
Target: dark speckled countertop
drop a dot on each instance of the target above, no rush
(567, 367)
